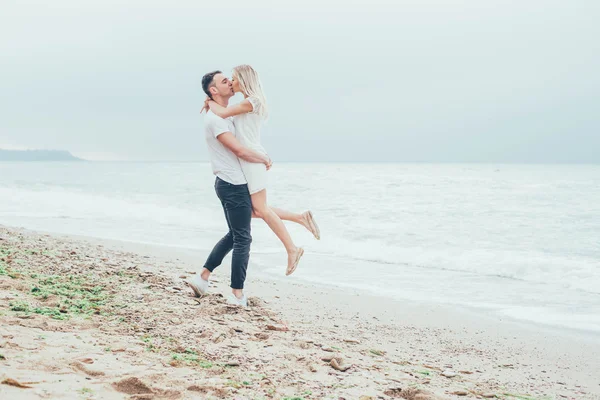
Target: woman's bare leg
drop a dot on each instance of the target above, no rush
(261, 208)
(301, 219)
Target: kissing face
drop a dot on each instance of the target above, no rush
(235, 84)
(222, 86)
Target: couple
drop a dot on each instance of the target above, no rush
(240, 164)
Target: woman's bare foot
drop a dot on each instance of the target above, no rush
(308, 221)
(293, 260)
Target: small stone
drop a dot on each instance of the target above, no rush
(183, 276)
(488, 395)
(394, 392)
(449, 374)
(460, 393)
(328, 349)
(261, 336)
(176, 321)
(218, 338)
(338, 364)
(280, 328)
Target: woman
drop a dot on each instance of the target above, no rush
(249, 116)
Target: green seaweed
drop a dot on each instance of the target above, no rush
(19, 306)
(191, 358)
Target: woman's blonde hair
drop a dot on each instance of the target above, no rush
(251, 87)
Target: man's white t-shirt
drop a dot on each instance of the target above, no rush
(225, 164)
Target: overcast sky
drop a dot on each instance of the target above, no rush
(418, 80)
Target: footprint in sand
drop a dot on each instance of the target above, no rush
(132, 386)
(409, 394)
(88, 371)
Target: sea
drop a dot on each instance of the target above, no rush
(519, 241)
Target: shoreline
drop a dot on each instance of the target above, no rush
(196, 255)
(523, 358)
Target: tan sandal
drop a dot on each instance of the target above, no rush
(291, 269)
(313, 227)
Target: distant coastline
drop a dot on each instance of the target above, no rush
(37, 155)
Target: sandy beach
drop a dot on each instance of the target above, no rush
(85, 318)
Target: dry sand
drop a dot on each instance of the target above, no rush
(89, 319)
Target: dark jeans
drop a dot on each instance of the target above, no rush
(237, 205)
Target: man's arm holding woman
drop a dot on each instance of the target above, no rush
(232, 144)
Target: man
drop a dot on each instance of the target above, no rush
(232, 189)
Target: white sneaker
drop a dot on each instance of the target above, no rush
(198, 285)
(238, 302)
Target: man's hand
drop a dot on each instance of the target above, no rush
(269, 163)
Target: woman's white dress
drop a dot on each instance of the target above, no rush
(247, 131)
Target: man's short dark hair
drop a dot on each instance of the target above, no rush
(207, 81)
